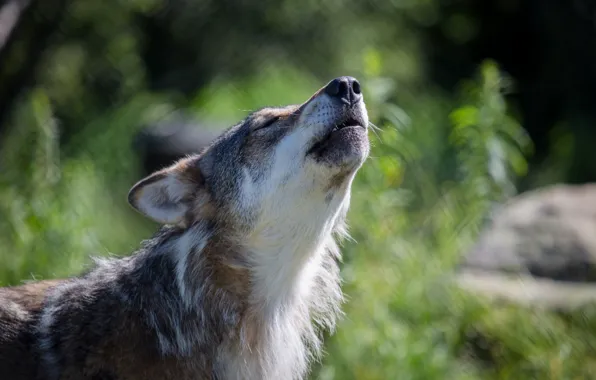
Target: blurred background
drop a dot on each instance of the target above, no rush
(476, 101)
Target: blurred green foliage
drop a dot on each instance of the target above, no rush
(438, 164)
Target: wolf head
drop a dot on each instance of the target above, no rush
(277, 165)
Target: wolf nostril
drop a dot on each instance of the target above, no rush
(332, 88)
(356, 87)
(346, 89)
(343, 89)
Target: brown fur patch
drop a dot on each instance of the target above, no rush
(337, 181)
(29, 295)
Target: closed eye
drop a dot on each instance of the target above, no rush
(267, 123)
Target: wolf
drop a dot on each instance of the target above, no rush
(240, 281)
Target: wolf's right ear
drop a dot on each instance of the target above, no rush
(167, 195)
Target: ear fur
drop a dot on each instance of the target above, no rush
(167, 195)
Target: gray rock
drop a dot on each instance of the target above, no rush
(540, 248)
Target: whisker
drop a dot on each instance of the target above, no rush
(375, 129)
(373, 126)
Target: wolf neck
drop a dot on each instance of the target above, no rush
(286, 255)
(281, 260)
(284, 266)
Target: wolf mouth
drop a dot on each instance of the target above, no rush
(349, 123)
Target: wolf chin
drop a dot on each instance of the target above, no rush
(241, 280)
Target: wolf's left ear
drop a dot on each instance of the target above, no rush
(167, 195)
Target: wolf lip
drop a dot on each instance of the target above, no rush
(347, 123)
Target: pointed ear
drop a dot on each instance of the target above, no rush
(167, 195)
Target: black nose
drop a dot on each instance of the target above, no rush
(347, 89)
